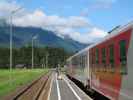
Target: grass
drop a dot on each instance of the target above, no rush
(10, 80)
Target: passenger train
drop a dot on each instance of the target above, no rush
(107, 66)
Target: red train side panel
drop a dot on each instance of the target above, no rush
(105, 77)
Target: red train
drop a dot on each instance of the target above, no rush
(107, 66)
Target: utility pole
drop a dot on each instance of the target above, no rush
(43, 63)
(33, 38)
(47, 59)
(32, 54)
(11, 42)
(11, 33)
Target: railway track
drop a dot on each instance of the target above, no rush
(34, 90)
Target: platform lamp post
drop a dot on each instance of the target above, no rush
(11, 38)
(33, 38)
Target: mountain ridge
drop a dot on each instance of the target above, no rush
(23, 35)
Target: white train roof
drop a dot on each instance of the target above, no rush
(112, 34)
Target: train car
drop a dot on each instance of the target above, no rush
(110, 64)
(77, 66)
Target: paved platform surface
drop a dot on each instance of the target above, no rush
(65, 89)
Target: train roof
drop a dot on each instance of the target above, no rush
(113, 33)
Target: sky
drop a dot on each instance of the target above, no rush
(82, 20)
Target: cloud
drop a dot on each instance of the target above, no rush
(39, 19)
(62, 26)
(94, 35)
(6, 7)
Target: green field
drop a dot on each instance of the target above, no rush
(10, 80)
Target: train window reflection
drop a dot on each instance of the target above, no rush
(104, 57)
(111, 57)
(123, 58)
(97, 56)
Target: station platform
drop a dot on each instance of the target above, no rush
(65, 89)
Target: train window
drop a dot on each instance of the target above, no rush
(93, 57)
(83, 61)
(111, 56)
(97, 56)
(90, 60)
(79, 61)
(123, 57)
(103, 55)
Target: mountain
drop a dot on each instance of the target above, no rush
(23, 36)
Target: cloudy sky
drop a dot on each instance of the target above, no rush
(82, 20)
